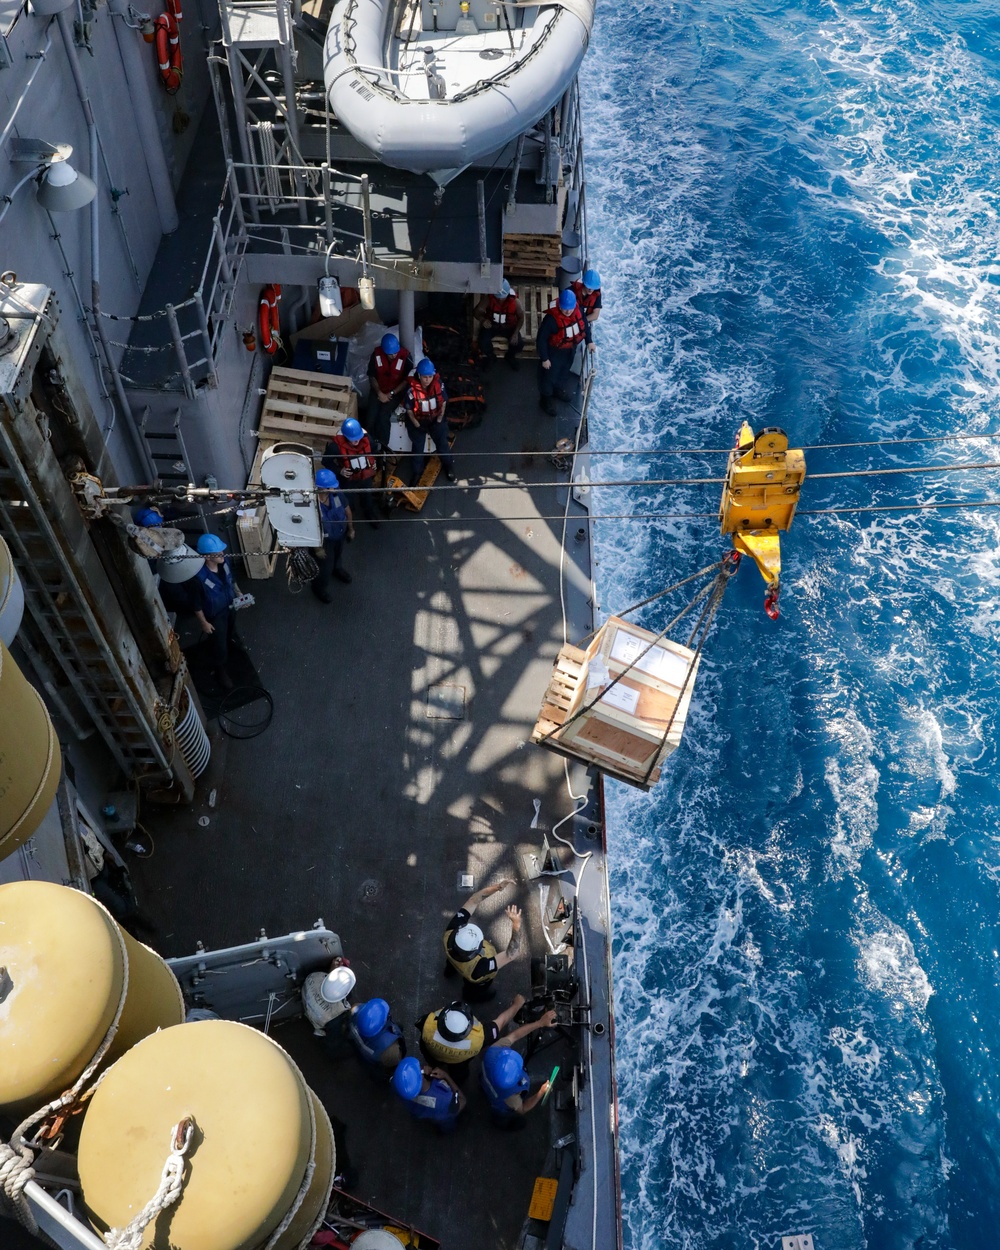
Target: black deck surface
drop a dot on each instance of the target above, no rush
(358, 807)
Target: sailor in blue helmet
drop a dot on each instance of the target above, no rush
(351, 455)
(149, 517)
(389, 368)
(506, 1084)
(588, 295)
(217, 590)
(429, 1093)
(377, 1038)
(338, 525)
(426, 403)
(563, 329)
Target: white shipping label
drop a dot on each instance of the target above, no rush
(597, 672)
(322, 355)
(622, 697)
(657, 662)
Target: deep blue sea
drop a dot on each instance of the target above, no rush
(794, 209)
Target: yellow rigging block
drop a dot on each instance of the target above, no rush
(759, 498)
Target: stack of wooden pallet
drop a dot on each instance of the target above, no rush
(532, 255)
(300, 407)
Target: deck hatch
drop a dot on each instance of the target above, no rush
(446, 701)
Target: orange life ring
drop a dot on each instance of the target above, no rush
(169, 58)
(267, 318)
(174, 9)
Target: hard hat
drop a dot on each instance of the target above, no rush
(179, 565)
(389, 344)
(210, 545)
(454, 1022)
(407, 1079)
(567, 300)
(352, 431)
(326, 479)
(468, 938)
(376, 1239)
(370, 1018)
(148, 517)
(426, 368)
(338, 985)
(592, 280)
(502, 1067)
(504, 289)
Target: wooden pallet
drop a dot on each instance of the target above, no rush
(532, 255)
(567, 674)
(304, 407)
(536, 299)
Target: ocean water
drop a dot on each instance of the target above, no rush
(794, 208)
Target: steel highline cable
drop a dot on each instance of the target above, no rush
(588, 484)
(693, 451)
(459, 521)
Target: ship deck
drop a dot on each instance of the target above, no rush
(397, 759)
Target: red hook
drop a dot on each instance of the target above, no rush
(771, 604)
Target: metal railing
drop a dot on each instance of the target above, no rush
(194, 326)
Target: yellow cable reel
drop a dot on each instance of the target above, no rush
(761, 493)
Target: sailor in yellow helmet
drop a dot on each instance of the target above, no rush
(470, 954)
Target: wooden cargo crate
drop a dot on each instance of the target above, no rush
(303, 407)
(532, 255)
(634, 725)
(256, 542)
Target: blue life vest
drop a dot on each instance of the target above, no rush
(498, 1097)
(440, 1103)
(217, 588)
(334, 517)
(371, 1049)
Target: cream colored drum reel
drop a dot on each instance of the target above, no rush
(294, 513)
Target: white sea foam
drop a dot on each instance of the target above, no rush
(776, 1055)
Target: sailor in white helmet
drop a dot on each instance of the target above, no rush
(324, 1000)
(453, 1036)
(470, 954)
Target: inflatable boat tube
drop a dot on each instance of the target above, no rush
(441, 137)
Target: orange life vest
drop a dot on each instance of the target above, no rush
(587, 300)
(427, 398)
(356, 458)
(501, 313)
(390, 370)
(570, 328)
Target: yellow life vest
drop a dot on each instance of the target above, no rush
(445, 1051)
(465, 966)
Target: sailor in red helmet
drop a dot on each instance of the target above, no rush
(426, 402)
(588, 294)
(496, 315)
(563, 329)
(351, 455)
(389, 368)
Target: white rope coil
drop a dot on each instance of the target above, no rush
(15, 1173)
(167, 1192)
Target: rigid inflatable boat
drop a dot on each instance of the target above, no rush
(433, 85)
